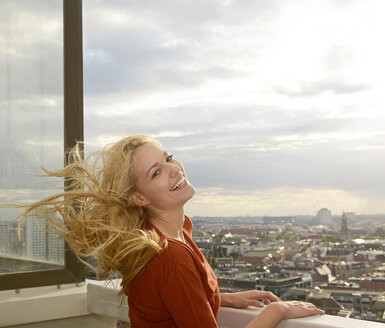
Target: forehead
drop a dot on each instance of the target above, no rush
(144, 157)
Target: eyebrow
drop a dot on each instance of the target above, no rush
(155, 164)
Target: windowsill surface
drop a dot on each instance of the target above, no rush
(42, 304)
(235, 318)
(50, 303)
(103, 299)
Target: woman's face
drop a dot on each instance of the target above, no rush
(161, 181)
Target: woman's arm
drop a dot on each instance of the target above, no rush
(274, 312)
(277, 311)
(248, 298)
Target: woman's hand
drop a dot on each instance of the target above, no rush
(272, 314)
(248, 298)
(295, 309)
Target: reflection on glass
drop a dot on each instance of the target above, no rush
(31, 118)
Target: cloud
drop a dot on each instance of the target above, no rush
(314, 88)
(230, 87)
(188, 16)
(339, 57)
(165, 44)
(31, 90)
(246, 148)
(278, 201)
(31, 53)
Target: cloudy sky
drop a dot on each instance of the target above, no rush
(274, 107)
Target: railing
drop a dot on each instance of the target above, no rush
(103, 299)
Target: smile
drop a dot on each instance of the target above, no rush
(178, 183)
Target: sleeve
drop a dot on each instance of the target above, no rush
(186, 300)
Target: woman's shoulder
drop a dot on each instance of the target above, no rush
(175, 253)
(157, 271)
(188, 226)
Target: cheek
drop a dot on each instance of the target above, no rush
(156, 190)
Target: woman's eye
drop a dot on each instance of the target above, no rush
(169, 158)
(155, 174)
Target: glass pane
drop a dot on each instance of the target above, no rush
(31, 118)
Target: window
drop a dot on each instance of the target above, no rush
(41, 116)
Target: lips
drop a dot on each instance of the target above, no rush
(178, 184)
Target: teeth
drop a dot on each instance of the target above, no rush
(178, 184)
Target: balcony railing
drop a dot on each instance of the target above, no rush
(103, 299)
(99, 305)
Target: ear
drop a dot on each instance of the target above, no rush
(138, 199)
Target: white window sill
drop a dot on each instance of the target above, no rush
(42, 304)
(49, 303)
(235, 318)
(103, 299)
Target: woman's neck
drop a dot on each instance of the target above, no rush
(170, 223)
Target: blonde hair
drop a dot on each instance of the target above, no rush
(95, 214)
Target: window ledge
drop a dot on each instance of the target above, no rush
(50, 303)
(42, 304)
(235, 318)
(103, 299)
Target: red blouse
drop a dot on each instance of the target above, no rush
(177, 288)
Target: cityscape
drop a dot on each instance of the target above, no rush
(336, 262)
(37, 249)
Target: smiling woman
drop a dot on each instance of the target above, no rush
(125, 207)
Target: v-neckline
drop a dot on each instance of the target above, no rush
(189, 242)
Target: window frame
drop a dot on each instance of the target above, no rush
(73, 271)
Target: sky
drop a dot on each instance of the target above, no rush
(274, 107)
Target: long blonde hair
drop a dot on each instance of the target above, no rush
(95, 214)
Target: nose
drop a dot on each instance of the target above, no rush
(174, 169)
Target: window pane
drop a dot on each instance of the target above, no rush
(31, 112)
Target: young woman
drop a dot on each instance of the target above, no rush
(125, 208)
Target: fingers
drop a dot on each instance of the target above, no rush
(257, 304)
(254, 303)
(244, 302)
(310, 308)
(313, 309)
(261, 295)
(270, 297)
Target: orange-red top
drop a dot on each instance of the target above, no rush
(177, 288)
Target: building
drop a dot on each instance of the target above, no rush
(344, 270)
(280, 285)
(36, 239)
(322, 274)
(324, 216)
(55, 249)
(333, 300)
(344, 227)
(328, 304)
(372, 284)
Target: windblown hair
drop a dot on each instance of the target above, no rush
(94, 213)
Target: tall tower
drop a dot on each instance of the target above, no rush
(344, 227)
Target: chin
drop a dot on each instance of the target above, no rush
(190, 192)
